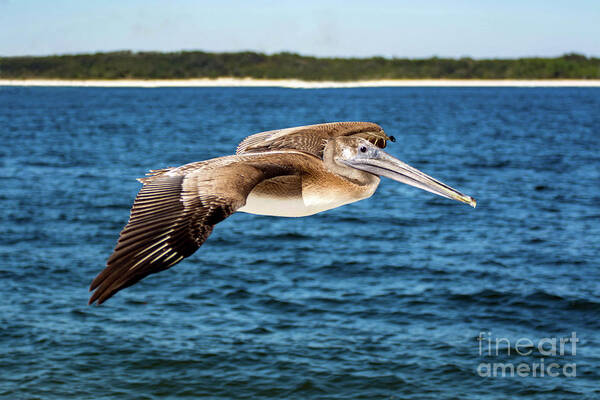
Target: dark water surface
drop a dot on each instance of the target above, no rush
(384, 298)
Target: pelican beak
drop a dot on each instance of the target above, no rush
(380, 163)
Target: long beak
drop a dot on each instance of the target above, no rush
(385, 165)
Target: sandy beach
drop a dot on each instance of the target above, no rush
(299, 84)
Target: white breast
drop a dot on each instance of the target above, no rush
(310, 203)
(279, 207)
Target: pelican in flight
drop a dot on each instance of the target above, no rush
(291, 172)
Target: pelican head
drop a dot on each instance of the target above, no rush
(360, 154)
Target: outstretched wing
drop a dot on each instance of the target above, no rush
(312, 138)
(174, 213)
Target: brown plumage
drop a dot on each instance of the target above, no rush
(312, 138)
(290, 172)
(175, 211)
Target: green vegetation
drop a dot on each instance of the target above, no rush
(197, 64)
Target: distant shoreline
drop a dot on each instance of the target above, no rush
(299, 84)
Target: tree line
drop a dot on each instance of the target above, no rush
(198, 64)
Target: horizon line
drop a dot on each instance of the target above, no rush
(269, 54)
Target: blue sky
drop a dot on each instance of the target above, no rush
(415, 29)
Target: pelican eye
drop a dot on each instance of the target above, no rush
(363, 149)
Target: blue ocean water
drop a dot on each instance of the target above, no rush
(398, 297)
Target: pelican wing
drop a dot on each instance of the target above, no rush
(311, 138)
(175, 212)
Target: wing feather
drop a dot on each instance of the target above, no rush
(311, 138)
(154, 229)
(175, 212)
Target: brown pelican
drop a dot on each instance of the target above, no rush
(291, 172)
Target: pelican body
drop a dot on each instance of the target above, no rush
(293, 172)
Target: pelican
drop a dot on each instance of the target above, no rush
(291, 172)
